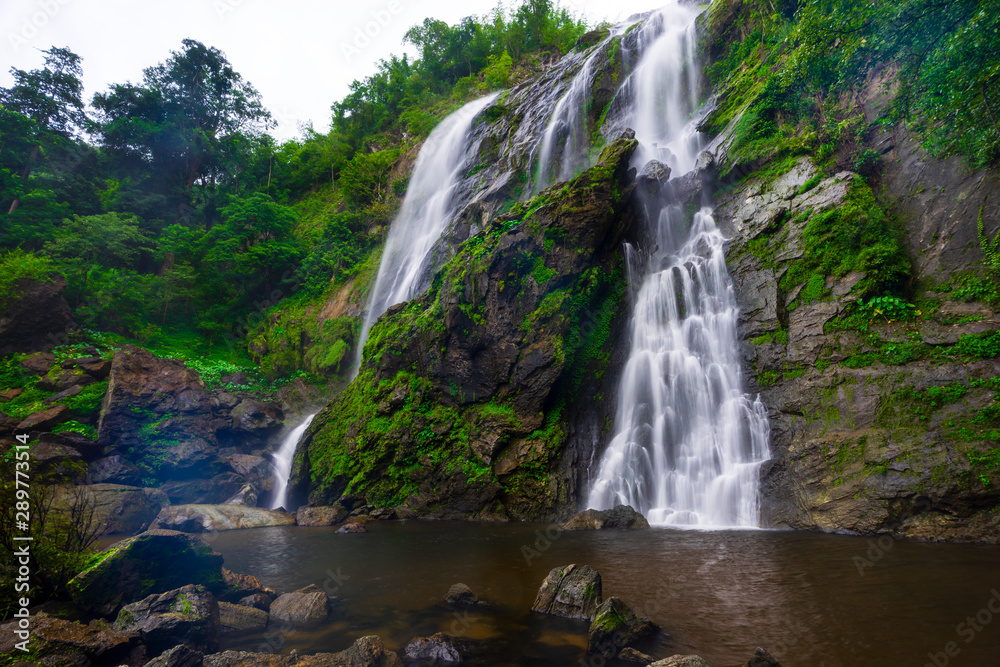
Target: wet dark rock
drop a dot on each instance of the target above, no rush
(44, 420)
(188, 615)
(10, 394)
(212, 518)
(629, 654)
(118, 509)
(59, 642)
(247, 495)
(178, 656)
(39, 318)
(66, 393)
(239, 586)
(246, 659)
(327, 515)
(52, 456)
(214, 491)
(615, 626)
(652, 177)
(256, 470)
(761, 658)
(461, 595)
(238, 378)
(236, 618)
(356, 527)
(260, 601)
(306, 606)
(437, 648)
(65, 380)
(96, 367)
(114, 470)
(39, 363)
(571, 591)
(157, 414)
(156, 560)
(8, 424)
(622, 516)
(87, 447)
(255, 417)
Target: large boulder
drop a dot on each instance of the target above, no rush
(327, 515)
(188, 615)
(88, 448)
(365, 652)
(238, 618)
(622, 516)
(212, 518)
(214, 491)
(615, 626)
(114, 470)
(461, 595)
(54, 641)
(158, 414)
(155, 561)
(178, 656)
(306, 606)
(118, 509)
(256, 470)
(571, 591)
(257, 418)
(44, 420)
(39, 318)
(239, 586)
(761, 658)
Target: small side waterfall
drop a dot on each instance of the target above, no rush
(427, 208)
(283, 462)
(687, 442)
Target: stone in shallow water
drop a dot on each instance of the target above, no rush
(211, 518)
(357, 527)
(571, 591)
(327, 515)
(306, 606)
(629, 654)
(462, 595)
(178, 656)
(438, 647)
(239, 618)
(622, 516)
(681, 661)
(615, 626)
(761, 658)
(58, 642)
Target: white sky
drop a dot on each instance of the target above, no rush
(296, 53)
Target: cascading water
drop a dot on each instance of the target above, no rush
(688, 442)
(283, 462)
(427, 208)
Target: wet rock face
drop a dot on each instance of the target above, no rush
(118, 509)
(615, 626)
(156, 560)
(490, 346)
(571, 591)
(38, 319)
(854, 446)
(188, 615)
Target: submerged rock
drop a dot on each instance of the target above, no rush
(154, 561)
(629, 654)
(239, 586)
(58, 642)
(461, 595)
(240, 618)
(355, 527)
(188, 615)
(615, 626)
(761, 658)
(571, 591)
(622, 516)
(438, 647)
(212, 518)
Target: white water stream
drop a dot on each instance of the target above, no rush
(688, 443)
(283, 462)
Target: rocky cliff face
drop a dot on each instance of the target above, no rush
(462, 403)
(884, 418)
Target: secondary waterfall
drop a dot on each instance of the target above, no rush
(427, 208)
(283, 462)
(687, 441)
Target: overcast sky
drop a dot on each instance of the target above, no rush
(301, 55)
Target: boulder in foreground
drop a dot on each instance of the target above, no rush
(212, 518)
(681, 661)
(365, 652)
(572, 591)
(153, 562)
(622, 516)
(188, 615)
(616, 626)
(58, 642)
(306, 606)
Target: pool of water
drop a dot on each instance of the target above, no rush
(811, 599)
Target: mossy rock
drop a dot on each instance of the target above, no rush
(153, 562)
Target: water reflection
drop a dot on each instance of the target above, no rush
(718, 594)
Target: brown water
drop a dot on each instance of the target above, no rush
(717, 594)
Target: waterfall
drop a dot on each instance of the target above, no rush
(687, 441)
(283, 462)
(427, 208)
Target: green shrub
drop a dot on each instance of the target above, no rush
(18, 269)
